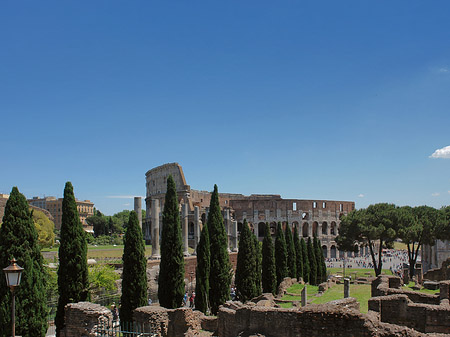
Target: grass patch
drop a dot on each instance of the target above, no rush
(311, 291)
(286, 305)
(360, 272)
(423, 290)
(361, 292)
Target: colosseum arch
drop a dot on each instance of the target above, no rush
(333, 251)
(295, 225)
(273, 228)
(261, 229)
(324, 228)
(305, 229)
(325, 251)
(315, 227)
(333, 229)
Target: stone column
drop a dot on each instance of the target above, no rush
(304, 296)
(227, 223)
(234, 236)
(197, 222)
(138, 209)
(206, 214)
(255, 222)
(185, 228)
(346, 288)
(156, 254)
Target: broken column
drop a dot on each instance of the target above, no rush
(185, 228)
(304, 296)
(197, 228)
(138, 209)
(155, 229)
(346, 288)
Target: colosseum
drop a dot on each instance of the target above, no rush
(319, 218)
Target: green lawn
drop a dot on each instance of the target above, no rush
(297, 289)
(360, 272)
(423, 290)
(359, 291)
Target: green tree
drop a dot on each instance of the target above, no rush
(298, 255)
(280, 255)
(320, 261)
(220, 274)
(202, 272)
(269, 276)
(134, 276)
(99, 224)
(102, 277)
(291, 262)
(246, 265)
(45, 228)
(171, 267)
(312, 262)
(19, 239)
(258, 260)
(73, 279)
(371, 226)
(306, 267)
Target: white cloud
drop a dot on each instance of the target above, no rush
(361, 195)
(436, 194)
(126, 204)
(441, 153)
(443, 70)
(120, 196)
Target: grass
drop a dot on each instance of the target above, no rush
(360, 272)
(311, 291)
(423, 290)
(361, 292)
(400, 246)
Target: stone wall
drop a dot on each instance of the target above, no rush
(439, 274)
(83, 319)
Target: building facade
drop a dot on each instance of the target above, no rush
(54, 206)
(319, 218)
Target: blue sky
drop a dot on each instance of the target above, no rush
(308, 99)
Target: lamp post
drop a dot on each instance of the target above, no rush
(13, 273)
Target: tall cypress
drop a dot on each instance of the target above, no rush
(323, 265)
(312, 262)
(246, 265)
(202, 272)
(306, 268)
(317, 254)
(291, 262)
(171, 267)
(73, 282)
(258, 261)
(280, 255)
(269, 276)
(298, 255)
(19, 239)
(220, 273)
(134, 276)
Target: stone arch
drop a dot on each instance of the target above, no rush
(261, 229)
(273, 228)
(333, 228)
(324, 228)
(305, 229)
(361, 251)
(341, 254)
(315, 227)
(333, 251)
(325, 251)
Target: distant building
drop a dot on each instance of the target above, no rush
(3, 199)
(433, 256)
(54, 206)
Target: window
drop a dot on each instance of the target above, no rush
(294, 206)
(341, 207)
(324, 205)
(314, 204)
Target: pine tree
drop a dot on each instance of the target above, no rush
(323, 265)
(298, 255)
(306, 268)
(258, 260)
(19, 239)
(171, 267)
(280, 255)
(73, 282)
(312, 263)
(220, 273)
(317, 254)
(202, 272)
(269, 276)
(246, 266)
(291, 262)
(134, 276)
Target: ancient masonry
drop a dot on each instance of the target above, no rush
(319, 218)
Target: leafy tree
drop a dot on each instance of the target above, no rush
(291, 262)
(99, 224)
(443, 225)
(19, 239)
(171, 267)
(246, 265)
(73, 280)
(269, 276)
(371, 226)
(111, 227)
(306, 267)
(220, 273)
(258, 260)
(45, 228)
(298, 255)
(134, 276)
(280, 255)
(102, 276)
(312, 262)
(202, 272)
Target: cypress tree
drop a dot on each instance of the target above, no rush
(280, 255)
(134, 276)
(220, 273)
(291, 262)
(73, 282)
(19, 239)
(317, 254)
(246, 265)
(269, 276)
(298, 255)
(312, 263)
(258, 258)
(171, 267)
(323, 265)
(202, 272)
(306, 268)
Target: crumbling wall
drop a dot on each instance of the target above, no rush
(83, 319)
(439, 274)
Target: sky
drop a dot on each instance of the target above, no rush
(327, 100)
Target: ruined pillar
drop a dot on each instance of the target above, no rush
(197, 229)
(156, 254)
(185, 228)
(138, 209)
(227, 223)
(304, 296)
(346, 288)
(234, 236)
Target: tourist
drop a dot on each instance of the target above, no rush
(192, 300)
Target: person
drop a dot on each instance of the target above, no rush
(191, 300)
(115, 313)
(185, 298)
(149, 301)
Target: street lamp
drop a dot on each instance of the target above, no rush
(13, 273)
